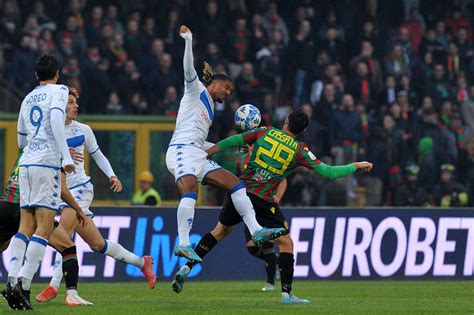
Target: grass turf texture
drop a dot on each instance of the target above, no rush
(245, 297)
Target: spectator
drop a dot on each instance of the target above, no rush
(373, 65)
(169, 106)
(129, 81)
(94, 25)
(146, 195)
(213, 16)
(22, 63)
(410, 194)
(456, 22)
(415, 28)
(466, 165)
(449, 192)
(310, 136)
(301, 54)
(362, 87)
(114, 106)
(438, 87)
(430, 43)
(395, 63)
(247, 85)
(237, 46)
(75, 34)
(467, 108)
(270, 70)
(111, 18)
(387, 96)
(271, 21)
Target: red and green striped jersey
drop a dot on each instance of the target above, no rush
(12, 190)
(275, 155)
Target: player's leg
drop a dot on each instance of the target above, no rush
(286, 263)
(188, 188)
(91, 235)
(66, 249)
(266, 253)
(228, 218)
(9, 225)
(227, 181)
(34, 255)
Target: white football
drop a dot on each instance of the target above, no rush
(247, 117)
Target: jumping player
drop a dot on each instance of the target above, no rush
(186, 157)
(276, 154)
(80, 137)
(59, 240)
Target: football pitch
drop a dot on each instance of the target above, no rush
(245, 297)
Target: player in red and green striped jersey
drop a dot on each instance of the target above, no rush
(9, 225)
(275, 155)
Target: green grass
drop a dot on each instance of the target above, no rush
(245, 297)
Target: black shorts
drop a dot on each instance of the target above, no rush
(268, 214)
(9, 220)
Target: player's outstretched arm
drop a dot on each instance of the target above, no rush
(247, 137)
(190, 73)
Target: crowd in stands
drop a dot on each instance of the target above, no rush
(391, 82)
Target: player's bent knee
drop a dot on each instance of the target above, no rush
(97, 246)
(253, 250)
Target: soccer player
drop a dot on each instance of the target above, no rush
(276, 154)
(59, 240)
(80, 137)
(186, 157)
(41, 135)
(266, 251)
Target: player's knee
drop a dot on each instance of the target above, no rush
(253, 250)
(97, 245)
(221, 231)
(268, 247)
(285, 243)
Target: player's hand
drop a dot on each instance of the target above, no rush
(366, 166)
(212, 150)
(116, 184)
(76, 156)
(185, 32)
(276, 199)
(70, 168)
(81, 218)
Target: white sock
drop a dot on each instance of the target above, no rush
(244, 207)
(18, 249)
(186, 217)
(57, 271)
(33, 258)
(117, 252)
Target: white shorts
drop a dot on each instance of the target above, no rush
(84, 194)
(40, 187)
(185, 160)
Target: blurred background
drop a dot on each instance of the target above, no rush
(391, 82)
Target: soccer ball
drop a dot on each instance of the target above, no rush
(247, 117)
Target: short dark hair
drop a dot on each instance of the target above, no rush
(297, 121)
(46, 67)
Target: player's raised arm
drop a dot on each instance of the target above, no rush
(247, 137)
(190, 74)
(309, 160)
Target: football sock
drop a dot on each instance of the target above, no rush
(119, 253)
(18, 249)
(58, 270)
(270, 267)
(205, 245)
(70, 268)
(286, 265)
(244, 207)
(33, 258)
(186, 217)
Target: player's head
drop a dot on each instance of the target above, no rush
(145, 180)
(220, 86)
(47, 68)
(72, 108)
(296, 122)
